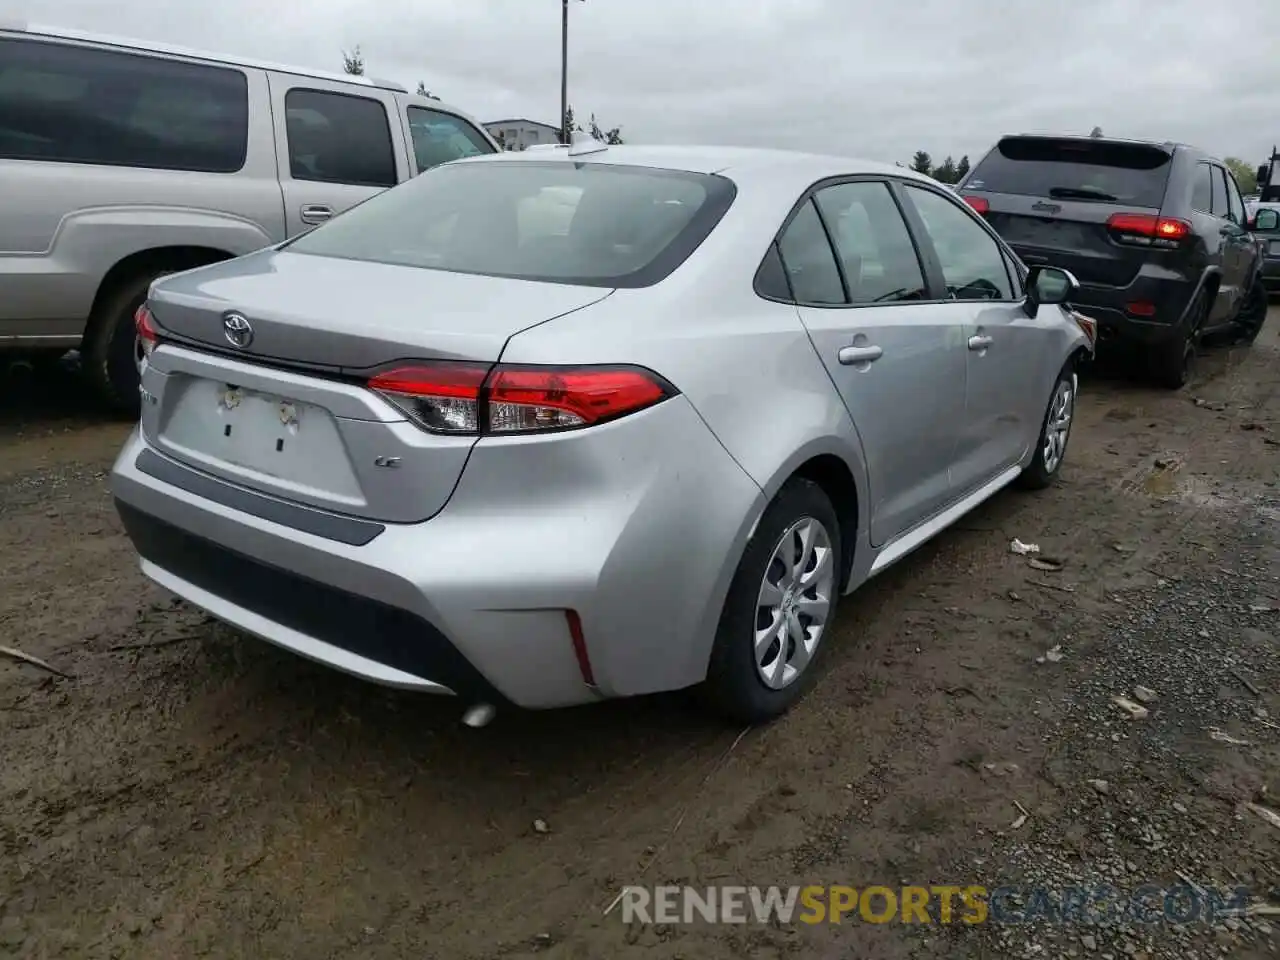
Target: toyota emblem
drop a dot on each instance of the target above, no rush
(237, 330)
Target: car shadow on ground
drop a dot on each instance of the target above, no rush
(48, 393)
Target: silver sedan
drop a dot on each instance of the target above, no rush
(540, 429)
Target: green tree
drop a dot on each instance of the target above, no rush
(353, 62)
(946, 171)
(922, 162)
(962, 168)
(1246, 176)
(612, 136)
(1095, 133)
(424, 92)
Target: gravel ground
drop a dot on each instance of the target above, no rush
(185, 791)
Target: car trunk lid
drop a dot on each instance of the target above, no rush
(288, 413)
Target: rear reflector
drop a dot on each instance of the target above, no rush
(1140, 308)
(1148, 230)
(145, 326)
(463, 398)
(579, 641)
(979, 204)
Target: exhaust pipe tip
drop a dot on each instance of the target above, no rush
(479, 716)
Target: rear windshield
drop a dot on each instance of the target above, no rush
(1133, 174)
(593, 224)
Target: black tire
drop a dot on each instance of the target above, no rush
(1253, 312)
(108, 357)
(1174, 362)
(1040, 473)
(734, 687)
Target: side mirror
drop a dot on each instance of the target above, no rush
(1049, 285)
(1265, 220)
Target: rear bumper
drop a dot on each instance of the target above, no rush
(636, 526)
(1171, 298)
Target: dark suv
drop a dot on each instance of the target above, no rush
(1156, 233)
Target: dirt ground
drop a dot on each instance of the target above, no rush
(189, 792)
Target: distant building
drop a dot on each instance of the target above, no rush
(522, 134)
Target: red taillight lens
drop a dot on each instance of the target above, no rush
(979, 204)
(465, 398)
(533, 398)
(145, 326)
(1147, 229)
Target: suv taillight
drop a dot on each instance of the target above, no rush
(1147, 230)
(145, 326)
(979, 204)
(465, 398)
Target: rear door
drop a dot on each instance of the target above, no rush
(897, 360)
(1239, 250)
(1051, 199)
(338, 146)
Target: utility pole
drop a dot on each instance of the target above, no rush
(565, 133)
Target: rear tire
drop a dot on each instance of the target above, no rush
(110, 354)
(1253, 314)
(1174, 362)
(1055, 432)
(745, 683)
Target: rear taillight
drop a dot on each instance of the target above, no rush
(1147, 230)
(979, 204)
(463, 398)
(145, 326)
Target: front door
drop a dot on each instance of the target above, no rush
(1000, 339)
(898, 362)
(336, 148)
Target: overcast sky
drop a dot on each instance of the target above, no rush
(872, 78)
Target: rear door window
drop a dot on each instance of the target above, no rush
(439, 137)
(339, 138)
(873, 243)
(72, 104)
(1220, 206)
(1065, 169)
(1202, 189)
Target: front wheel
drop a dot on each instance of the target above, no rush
(780, 604)
(1051, 447)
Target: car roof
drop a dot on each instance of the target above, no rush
(737, 162)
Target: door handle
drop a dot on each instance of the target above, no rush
(979, 342)
(316, 213)
(852, 355)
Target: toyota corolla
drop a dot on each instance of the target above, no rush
(540, 429)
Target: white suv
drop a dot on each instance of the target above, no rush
(122, 161)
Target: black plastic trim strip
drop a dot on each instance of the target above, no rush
(348, 530)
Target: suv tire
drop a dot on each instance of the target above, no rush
(1174, 362)
(1253, 312)
(735, 687)
(110, 354)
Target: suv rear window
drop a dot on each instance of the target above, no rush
(592, 224)
(1109, 172)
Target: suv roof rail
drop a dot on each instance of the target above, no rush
(547, 146)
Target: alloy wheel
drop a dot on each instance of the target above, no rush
(793, 603)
